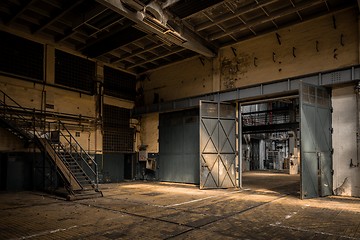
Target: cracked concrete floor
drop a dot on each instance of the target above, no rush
(268, 207)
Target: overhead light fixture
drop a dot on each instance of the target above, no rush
(164, 30)
(155, 24)
(176, 36)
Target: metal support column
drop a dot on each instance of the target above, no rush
(240, 147)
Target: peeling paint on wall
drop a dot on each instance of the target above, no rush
(344, 189)
(233, 70)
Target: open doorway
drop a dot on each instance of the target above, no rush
(270, 145)
(287, 133)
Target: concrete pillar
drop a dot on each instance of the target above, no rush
(98, 100)
(262, 156)
(49, 64)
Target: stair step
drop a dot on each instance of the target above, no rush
(76, 170)
(79, 174)
(82, 178)
(84, 195)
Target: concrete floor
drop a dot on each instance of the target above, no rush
(267, 208)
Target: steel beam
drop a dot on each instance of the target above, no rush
(60, 14)
(265, 19)
(21, 9)
(261, 91)
(190, 42)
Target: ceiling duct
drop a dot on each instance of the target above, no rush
(156, 11)
(154, 17)
(137, 5)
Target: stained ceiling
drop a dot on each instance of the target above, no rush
(139, 36)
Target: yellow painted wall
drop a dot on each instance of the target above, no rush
(31, 95)
(309, 47)
(317, 47)
(188, 78)
(149, 134)
(10, 142)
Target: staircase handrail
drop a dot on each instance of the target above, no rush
(80, 152)
(62, 147)
(4, 102)
(17, 106)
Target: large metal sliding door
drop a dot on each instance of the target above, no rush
(179, 146)
(316, 145)
(217, 145)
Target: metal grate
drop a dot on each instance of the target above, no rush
(75, 72)
(119, 84)
(21, 57)
(118, 136)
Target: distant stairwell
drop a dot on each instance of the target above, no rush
(76, 167)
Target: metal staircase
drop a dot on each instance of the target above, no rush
(77, 168)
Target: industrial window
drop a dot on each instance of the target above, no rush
(118, 136)
(21, 57)
(119, 84)
(74, 72)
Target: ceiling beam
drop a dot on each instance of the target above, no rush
(136, 53)
(177, 50)
(68, 7)
(265, 19)
(112, 41)
(81, 20)
(204, 6)
(233, 15)
(19, 12)
(187, 40)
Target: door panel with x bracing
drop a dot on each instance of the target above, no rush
(217, 145)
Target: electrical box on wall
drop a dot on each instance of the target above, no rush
(143, 155)
(151, 164)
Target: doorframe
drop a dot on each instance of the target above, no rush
(239, 147)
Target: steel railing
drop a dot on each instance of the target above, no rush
(24, 121)
(65, 143)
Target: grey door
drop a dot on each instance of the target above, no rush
(316, 145)
(217, 145)
(179, 146)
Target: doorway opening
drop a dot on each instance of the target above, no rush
(291, 135)
(270, 145)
